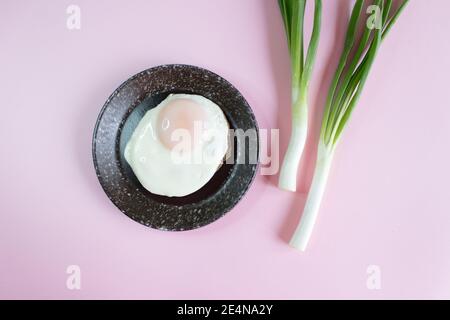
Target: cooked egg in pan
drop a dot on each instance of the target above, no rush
(178, 145)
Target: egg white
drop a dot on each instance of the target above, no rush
(180, 171)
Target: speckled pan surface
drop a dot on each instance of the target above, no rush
(120, 116)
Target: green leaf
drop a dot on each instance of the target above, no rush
(352, 72)
(349, 40)
(312, 49)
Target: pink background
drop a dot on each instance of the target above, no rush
(387, 199)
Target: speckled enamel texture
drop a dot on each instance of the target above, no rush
(120, 116)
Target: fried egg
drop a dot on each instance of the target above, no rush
(178, 146)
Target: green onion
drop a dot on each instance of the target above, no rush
(345, 90)
(293, 12)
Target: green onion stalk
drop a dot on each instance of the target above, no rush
(345, 90)
(293, 13)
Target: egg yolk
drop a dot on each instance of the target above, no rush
(179, 114)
